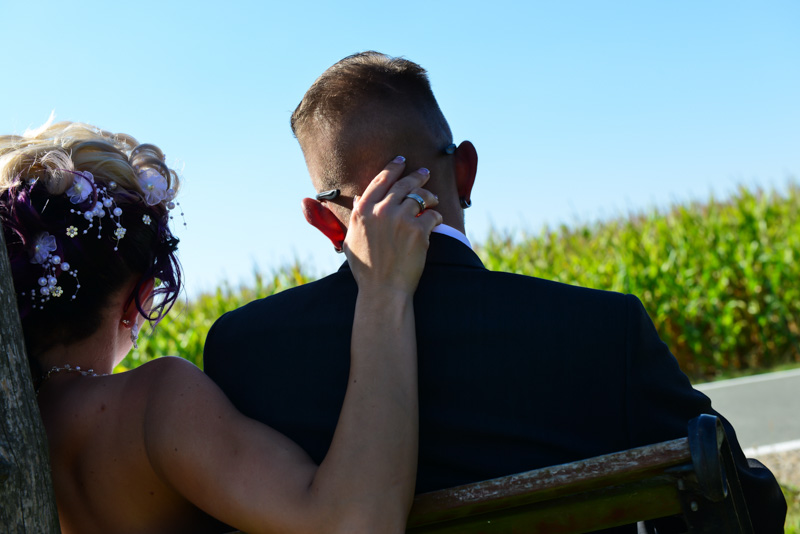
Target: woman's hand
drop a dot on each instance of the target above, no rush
(388, 236)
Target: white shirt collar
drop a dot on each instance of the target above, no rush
(452, 232)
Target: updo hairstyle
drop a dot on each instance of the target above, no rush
(37, 171)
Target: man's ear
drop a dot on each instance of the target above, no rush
(320, 217)
(466, 169)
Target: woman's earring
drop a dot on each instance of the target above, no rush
(465, 203)
(135, 335)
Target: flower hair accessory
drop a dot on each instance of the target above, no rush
(154, 186)
(52, 264)
(83, 186)
(156, 191)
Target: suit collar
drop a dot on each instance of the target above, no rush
(446, 250)
(452, 232)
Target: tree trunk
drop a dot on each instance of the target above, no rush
(27, 501)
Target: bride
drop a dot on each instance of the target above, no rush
(160, 449)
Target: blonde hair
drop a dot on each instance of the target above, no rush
(50, 152)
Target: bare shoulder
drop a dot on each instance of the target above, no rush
(167, 377)
(165, 367)
(176, 391)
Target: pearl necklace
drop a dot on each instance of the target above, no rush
(67, 369)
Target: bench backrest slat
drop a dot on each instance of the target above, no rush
(549, 483)
(505, 494)
(581, 512)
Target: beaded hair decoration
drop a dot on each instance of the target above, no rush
(83, 189)
(83, 186)
(52, 265)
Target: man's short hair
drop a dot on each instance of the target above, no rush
(397, 87)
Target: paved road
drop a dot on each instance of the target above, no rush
(764, 409)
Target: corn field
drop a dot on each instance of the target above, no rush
(720, 279)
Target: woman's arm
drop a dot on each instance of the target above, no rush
(377, 429)
(255, 479)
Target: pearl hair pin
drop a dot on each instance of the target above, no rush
(83, 186)
(53, 265)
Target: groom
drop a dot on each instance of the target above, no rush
(515, 372)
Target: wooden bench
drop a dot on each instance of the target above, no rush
(693, 477)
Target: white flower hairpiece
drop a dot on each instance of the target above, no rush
(43, 248)
(154, 186)
(44, 245)
(82, 187)
(156, 190)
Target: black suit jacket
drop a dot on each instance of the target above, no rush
(515, 373)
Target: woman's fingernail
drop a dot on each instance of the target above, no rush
(399, 159)
(436, 197)
(423, 171)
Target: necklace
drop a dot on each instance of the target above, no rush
(66, 369)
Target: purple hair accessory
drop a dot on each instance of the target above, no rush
(82, 187)
(43, 246)
(52, 265)
(154, 186)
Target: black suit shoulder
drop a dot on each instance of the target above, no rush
(274, 311)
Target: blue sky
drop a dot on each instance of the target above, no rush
(580, 110)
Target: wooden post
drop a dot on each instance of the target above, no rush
(27, 501)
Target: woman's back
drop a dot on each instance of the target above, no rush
(96, 429)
